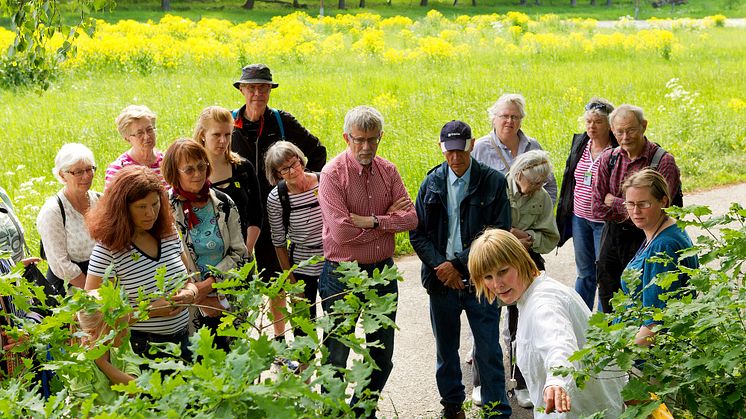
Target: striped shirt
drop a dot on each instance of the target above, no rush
(127, 160)
(348, 187)
(583, 192)
(610, 181)
(135, 271)
(304, 230)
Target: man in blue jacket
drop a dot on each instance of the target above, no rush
(457, 200)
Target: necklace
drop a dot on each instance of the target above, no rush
(663, 220)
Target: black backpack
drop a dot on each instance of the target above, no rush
(677, 200)
(282, 192)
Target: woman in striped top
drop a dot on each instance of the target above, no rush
(134, 231)
(296, 235)
(574, 217)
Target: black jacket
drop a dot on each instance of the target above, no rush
(567, 190)
(245, 142)
(486, 205)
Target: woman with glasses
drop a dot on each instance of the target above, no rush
(498, 150)
(646, 195)
(210, 228)
(61, 221)
(229, 172)
(574, 214)
(136, 124)
(135, 238)
(296, 224)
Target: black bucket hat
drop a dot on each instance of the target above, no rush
(255, 73)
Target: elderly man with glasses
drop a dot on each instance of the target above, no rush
(363, 204)
(620, 239)
(255, 129)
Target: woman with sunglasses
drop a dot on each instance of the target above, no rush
(136, 124)
(574, 215)
(646, 195)
(61, 221)
(210, 228)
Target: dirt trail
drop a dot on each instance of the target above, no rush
(411, 391)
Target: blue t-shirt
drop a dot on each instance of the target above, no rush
(670, 241)
(206, 238)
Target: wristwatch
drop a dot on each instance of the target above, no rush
(375, 222)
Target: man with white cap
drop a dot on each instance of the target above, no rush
(457, 200)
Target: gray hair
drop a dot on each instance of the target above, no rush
(364, 118)
(534, 165)
(131, 114)
(69, 155)
(505, 100)
(277, 154)
(627, 109)
(599, 106)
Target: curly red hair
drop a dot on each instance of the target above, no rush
(110, 222)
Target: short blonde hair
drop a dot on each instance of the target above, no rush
(131, 114)
(495, 249)
(651, 179)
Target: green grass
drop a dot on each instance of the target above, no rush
(704, 130)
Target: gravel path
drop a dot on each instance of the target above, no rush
(411, 391)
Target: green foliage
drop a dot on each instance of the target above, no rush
(240, 383)
(696, 365)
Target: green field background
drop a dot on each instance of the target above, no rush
(700, 116)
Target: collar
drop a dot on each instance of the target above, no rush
(521, 303)
(452, 178)
(522, 141)
(354, 164)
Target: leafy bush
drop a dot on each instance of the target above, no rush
(240, 383)
(696, 365)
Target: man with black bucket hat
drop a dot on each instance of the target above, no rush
(256, 128)
(457, 200)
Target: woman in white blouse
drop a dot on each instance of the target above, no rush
(551, 327)
(61, 221)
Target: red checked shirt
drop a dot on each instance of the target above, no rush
(348, 187)
(611, 181)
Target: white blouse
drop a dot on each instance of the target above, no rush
(68, 244)
(551, 327)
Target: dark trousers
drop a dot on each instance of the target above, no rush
(212, 323)
(619, 243)
(309, 292)
(330, 285)
(141, 342)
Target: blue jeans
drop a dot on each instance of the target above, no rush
(586, 238)
(329, 284)
(484, 320)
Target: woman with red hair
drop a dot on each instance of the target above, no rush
(134, 232)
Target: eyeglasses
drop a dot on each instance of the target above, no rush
(149, 131)
(626, 133)
(513, 118)
(641, 205)
(598, 106)
(360, 140)
(81, 172)
(285, 170)
(257, 87)
(190, 170)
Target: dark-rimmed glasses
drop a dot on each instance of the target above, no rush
(285, 170)
(360, 140)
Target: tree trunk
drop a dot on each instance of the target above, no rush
(573, 3)
(455, 2)
(523, 2)
(362, 4)
(593, 2)
(423, 3)
(296, 4)
(342, 4)
(165, 5)
(608, 3)
(248, 5)
(474, 3)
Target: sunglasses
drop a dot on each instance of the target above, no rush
(598, 106)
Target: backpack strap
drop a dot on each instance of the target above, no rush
(235, 114)
(613, 159)
(62, 209)
(656, 160)
(279, 123)
(224, 199)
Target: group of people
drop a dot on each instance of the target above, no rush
(254, 184)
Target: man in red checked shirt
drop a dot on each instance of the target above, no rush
(364, 204)
(620, 239)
